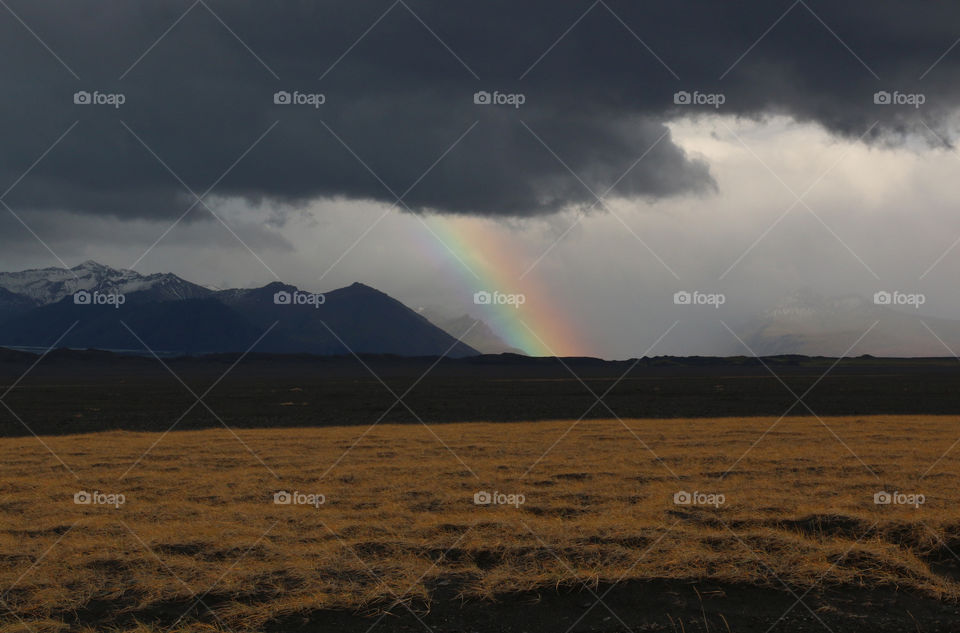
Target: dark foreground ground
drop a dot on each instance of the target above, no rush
(654, 606)
(74, 392)
(660, 606)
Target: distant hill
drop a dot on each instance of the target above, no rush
(174, 316)
(474, 332)
(811, 324)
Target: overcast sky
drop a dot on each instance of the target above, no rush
(590, 189)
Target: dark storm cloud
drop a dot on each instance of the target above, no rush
(398, 100)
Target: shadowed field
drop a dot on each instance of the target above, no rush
(82, 392)
(385, 522)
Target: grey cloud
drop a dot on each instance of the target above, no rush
(399, 99)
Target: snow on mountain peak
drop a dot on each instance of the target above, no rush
(50, 285)
(91, 265)
(807, 304)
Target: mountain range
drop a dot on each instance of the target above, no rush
(92, 306)
(122, 310)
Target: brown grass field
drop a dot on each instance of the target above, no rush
(200, 545)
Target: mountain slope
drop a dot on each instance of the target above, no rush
(191, 326)
(12, 304)
(357, 318)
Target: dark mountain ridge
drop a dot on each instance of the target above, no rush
(97, 307)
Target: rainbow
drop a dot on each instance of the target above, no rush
(486, 257)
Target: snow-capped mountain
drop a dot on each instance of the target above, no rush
(50, 285)
(815, 325)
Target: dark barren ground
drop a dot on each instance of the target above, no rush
(74, 392)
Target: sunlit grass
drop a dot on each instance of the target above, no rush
(399, 518)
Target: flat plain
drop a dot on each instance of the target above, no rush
(585, 532)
